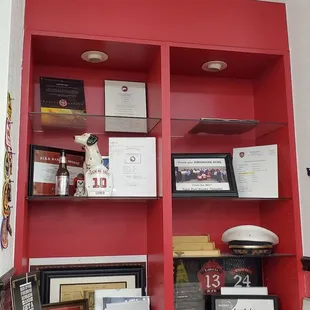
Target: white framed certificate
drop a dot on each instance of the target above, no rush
(125, 106)
(100, 295)
(244, 302)
(256, 171)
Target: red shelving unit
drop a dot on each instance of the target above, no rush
(251, 36)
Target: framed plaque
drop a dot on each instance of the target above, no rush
(81, 304)
(249, 302)
(65, 284)
(125, 106)
(43, 165)
(208, 275)
(62, 95)
(203, 175)
(25, 292)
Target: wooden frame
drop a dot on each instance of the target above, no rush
(189, 189)
(54, 153)
(68, 305)
(47, 276)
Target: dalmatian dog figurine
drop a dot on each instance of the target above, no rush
(92, 154)
(98, 180)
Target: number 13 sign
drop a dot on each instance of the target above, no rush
(211, 277)
(98, 182)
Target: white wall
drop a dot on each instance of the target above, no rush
(298, 15)
(11, 44)
(298, 18)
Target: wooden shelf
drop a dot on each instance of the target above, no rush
(56, 122)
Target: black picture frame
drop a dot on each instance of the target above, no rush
(138, 271)
(21, 280)
(56, 151)
(231, 271)
(200, 192)
(56, 93)
(67, 304)
(231, 298)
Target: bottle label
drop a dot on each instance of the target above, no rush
(62, 160)
(62, 185)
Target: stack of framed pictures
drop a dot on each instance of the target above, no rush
(61, 284)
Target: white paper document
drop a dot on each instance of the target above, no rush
(101, 294)
(114, 300)
(244, 290)
(125, 106)
(306, 304)
(134, 305)
(256, 171)
(132, 163)
(248, 304)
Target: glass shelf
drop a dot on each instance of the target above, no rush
(181, 197)
(97, 124)
(74, 199)
(180, 128)
(228, 255)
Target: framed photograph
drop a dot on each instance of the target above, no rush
(258, 302)
(203, 175)
(67, 284)
(68, 305)
(43, 165)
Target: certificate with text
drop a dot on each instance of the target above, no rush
(133, 166)
(256, 171)
(125, 106)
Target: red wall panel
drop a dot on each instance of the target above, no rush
(239, 23)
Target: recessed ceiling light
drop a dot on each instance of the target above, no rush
(94, 56)
(214, 66)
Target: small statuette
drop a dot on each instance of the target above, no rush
(79, 184)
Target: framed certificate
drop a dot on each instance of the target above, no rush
(125, 106)
(43, 165)
(203, 175)
(244, 302)
(67, 284)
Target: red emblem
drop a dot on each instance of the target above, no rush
(124, 88)
(63, 103)
(211, 277)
